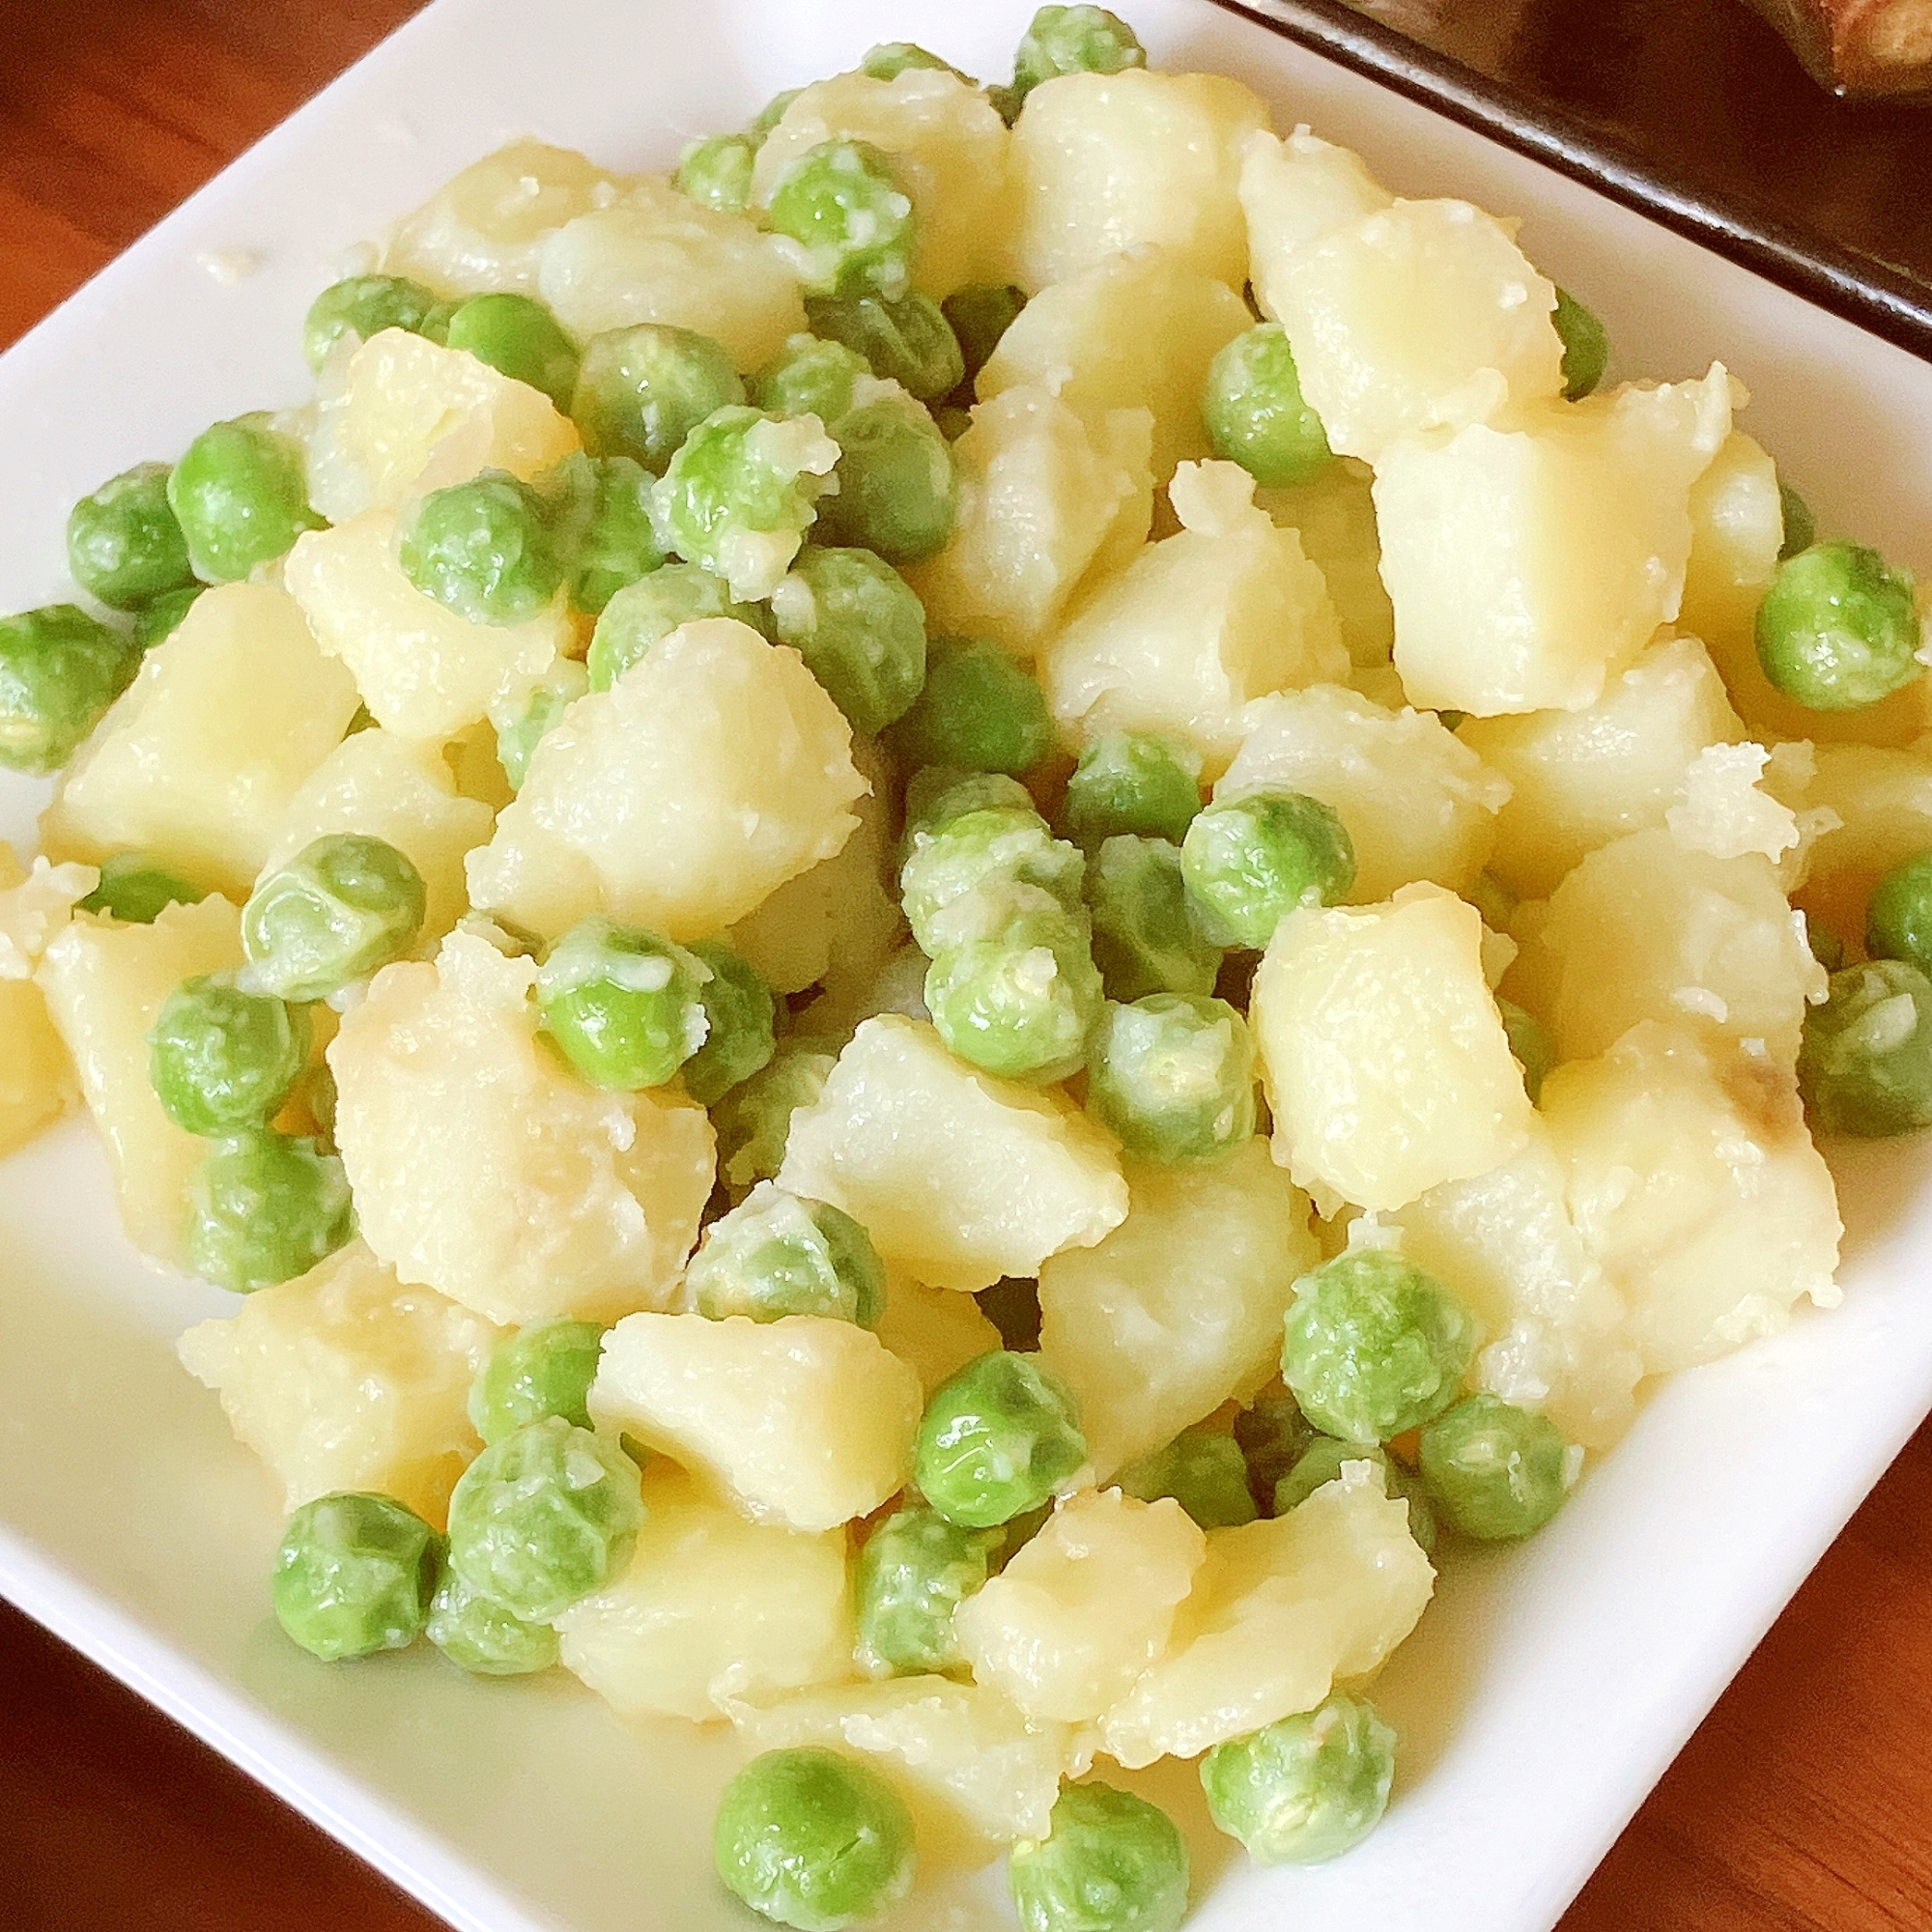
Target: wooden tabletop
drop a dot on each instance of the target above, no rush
(1806, 1799)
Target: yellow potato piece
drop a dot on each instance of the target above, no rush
(1294, 191)
(38, 1083)
(1335, 518)
(1883, 801)
(935, 1331)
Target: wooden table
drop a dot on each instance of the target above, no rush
(1806, 1799)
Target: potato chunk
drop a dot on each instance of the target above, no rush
(805, 1422)
(105, 984)
(1046, 504)
(1134, 331)
(1644, 929)
(646, 802)
(1524, 563)
(935, 1331)
(392, 788)
(1883, 802)
(196, 761)
(1104, 162)
(346, 1380)
(1580, 779)
(712, 1610)
(423, 671)
(1383, 1058)
(38, 1083)
(1417, 802)
(1280, 1610)
(1084, 1607)
(960, 1177)
(1181, 1307)
(948, 149)
(1294, 191)
(485, 1170)
(1221, 613)
(655, 255)
(1694, 1184)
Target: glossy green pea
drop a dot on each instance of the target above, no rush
(642, 390)
(559, 688)
(625, 1005)
(1204, 1471)
(809, 376)
(717, 173)
(1249, 861)
(135, 888)
(937, 796)
(997, 1439)
(740, 1021)
(545, 1369)
(517, 335)
(1839, 629)
(913, 1572)
(479, 1636)
(647, 613)
(859, 629)
(353, 1575)
(958, 883)
(979, 710)
(222, 1061)
(1306, 1788)
(1322, 1461)
(1866, 1066)
(1801, 527)
(1173, 1076)
(979, 315)
(123, 543)
(1147, 936)
(754, 1120)
(264, 1208)
(364, 305)
(898, 489)
(157, 622)
(1586, 347)
(777, 1254)
(1132, 783)
(1898, 924)
(1023, 1002)
(843, 204)
(60, 670)
(1111, 1863)
(485, 550)
(892, 58)
(1254, 413)
(1496, 1471)
(344, 905)
(240, 493)
(906, 340)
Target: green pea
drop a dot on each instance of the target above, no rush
(1255, 413)
(1586, 347)
(264, 1208)
(913, 1572)
(1496, 1471)
(753, 1122)
(221, 1059)
(1532, 1044)
(136, 890)
(157, 622)
(647, 613)
(809, 376)
(1023, 1002)
(479, 1636)
(240, 495)
(600, 512)
(814, 1839)
(1898, 922)
(717, 173)
(1173, 1075)
(979, 710)
(908, 340)
(1147, 936)
(1375, 1346)
(1865, 1064)
(543, 1516)
(856, 623)
(1249, 861)
(625, 1006)
(940, 794)
(1801, 527)
(952, 876)
(1273, 1434)
(559, 688)
(770, 115)
(1839, 629)
(363, 306)
(344, 905)
(517, 335)
(484, 550)
(60, 670)
(123, 545)
(979, 315)
(1321, 1463)
(1132, 783)
(777, 1254)
(892, 58)
(1204, 1471)
(740, 1022)
(353, 1575)
(1068, 40)
(1112, 1861)
(1306, 1788)
(642, 390)
(843, 204)
(897, 490)
(998, 1438)
(542, 1370)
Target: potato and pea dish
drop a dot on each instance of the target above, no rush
(953, 925)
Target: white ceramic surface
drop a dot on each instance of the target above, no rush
(1545, 1691)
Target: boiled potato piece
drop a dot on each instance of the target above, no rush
(38, 1083)
(1195, 626)
(1104, 162)
(1423, 315)
(1383, 1057)
(961, 1178)
(1084, 1607)
(1280, 1610)
(1558, 1333)
(805, 1422)
(1694, 1184)
(712, 1610)
(105, 984)
(196, 761)
(423, 671)
(486, 229)
(935, 1331)
(1181, 1307)
(482, 1169)
(1134, 333)
(1045, 504)
(649, 804)
(1883, 801)
(948, 149)
(394, 790)
(346, 1380)
(975, 1773)
(1644, 929)
(1294, 191)
(1524, 563)
(1335, 518)
(1580, 779)
(655, 255)
(1417, 802)
(1733, 801)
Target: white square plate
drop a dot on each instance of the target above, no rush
(1547, 1688)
